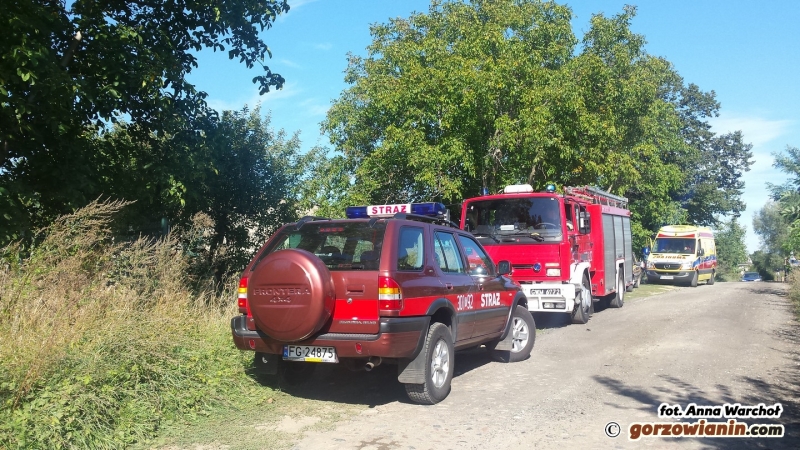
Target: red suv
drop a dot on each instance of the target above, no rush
(393, 284)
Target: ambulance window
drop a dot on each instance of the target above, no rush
(447, 255)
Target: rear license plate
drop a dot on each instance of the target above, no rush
(545, 291)
(310, 353)
(666, 277)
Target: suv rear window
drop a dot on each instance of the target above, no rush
(341, 246)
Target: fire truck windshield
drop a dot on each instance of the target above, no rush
(535, 219)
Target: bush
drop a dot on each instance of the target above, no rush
(104, 342)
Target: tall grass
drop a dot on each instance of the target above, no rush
(102, 343)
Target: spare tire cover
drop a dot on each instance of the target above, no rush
(291, 294)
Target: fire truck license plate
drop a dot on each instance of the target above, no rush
(545, 291)
(310, 353)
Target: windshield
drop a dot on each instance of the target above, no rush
(341, 246)
(675, 245)
(532, 219)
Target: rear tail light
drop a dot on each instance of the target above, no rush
(390, 299)
(243, 306)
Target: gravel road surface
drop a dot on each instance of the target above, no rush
(710, 345)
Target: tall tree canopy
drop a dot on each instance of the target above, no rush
(488, 93)
(68, 69)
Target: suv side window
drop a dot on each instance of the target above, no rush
(479, 262)
(447, 255)
(410, 249)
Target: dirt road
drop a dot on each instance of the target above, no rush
(710, 345)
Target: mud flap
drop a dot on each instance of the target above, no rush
(412, 371)
(505, 344)
(266, 363)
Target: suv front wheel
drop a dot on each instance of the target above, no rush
(438, 367)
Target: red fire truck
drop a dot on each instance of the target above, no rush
(567, 250)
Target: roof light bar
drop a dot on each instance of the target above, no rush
(431, 209)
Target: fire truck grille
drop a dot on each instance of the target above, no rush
(666, 266)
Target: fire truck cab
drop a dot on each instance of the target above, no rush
(567, 251)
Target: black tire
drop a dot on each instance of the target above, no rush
(522, 334)
(439, 355)
(693, 282)
(619, 298)
(581, 314)
(711, 280)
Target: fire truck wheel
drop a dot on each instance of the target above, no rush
(619, 297)
(581, 313)
(522, 335)
(439, 354)
(693, 283)
(711, 280)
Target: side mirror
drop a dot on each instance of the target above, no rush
(584, 223)
(503, 268)
(646, 250)
(701, 252)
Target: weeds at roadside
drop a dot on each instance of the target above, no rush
(105, 343)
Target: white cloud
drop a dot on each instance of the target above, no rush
(324, 46)
(268, 100)
(314, 108)
(756, 130)
(763, 134)
(290, 63)
(295, 4)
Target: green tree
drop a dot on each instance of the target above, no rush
(242, 175)
(731, 247)
(773, 230)
(489, 93)
(68, 69)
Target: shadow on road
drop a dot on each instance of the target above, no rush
(786, 391)
(335, 383)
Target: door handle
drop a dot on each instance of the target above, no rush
(448, 285)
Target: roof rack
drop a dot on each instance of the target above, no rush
(307, 219)
(596, 195)
(444, 220)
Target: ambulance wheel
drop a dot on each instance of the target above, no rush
(439, 354)
(710, 281)
(522, 335)
(581, 313)
(619, 297)
(693, 283)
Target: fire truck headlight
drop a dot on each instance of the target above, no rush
(553, 272)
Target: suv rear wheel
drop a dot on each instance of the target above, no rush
(438, 367)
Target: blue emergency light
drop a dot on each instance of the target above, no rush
(431, 209)
(550, 188)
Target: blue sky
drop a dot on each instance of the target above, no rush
(747, 52)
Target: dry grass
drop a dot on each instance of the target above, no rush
(104, 342)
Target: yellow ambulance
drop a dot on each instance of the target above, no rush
(683, 254)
